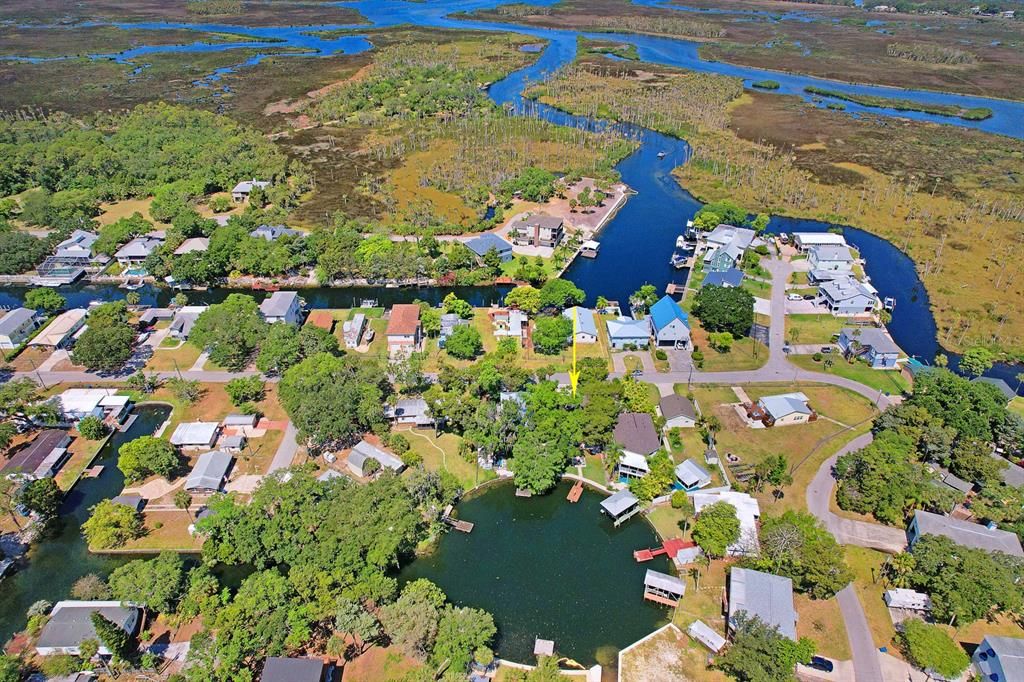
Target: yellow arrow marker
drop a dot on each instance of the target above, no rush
(574, 374)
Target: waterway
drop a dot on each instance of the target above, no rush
(543, 566)
(61, 557)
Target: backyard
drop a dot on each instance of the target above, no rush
(813, 328)
(442, 453)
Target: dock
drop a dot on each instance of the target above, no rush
(575, 492)
(523, 492)
(462, 526)
(93, 472)
(671, 547)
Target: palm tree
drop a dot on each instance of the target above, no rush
(695, 574)
(182, 500)
(898, 567)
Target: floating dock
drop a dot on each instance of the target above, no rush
(576, 492)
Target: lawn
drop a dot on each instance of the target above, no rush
(82, 453)
(866, 565)
(821, 620)
(170, 358)
(745, 354)
(888, 380)
(813, 328)
(442, 452)
(671, 655)
(171, 535)
(667, 521)
(632, 364)
(593, 470)
(758, 288)
(1017, 405)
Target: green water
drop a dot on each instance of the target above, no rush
(547, 568)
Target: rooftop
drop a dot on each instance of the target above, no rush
(586, 323)
(321, 318)
(543, 221)
(1003, 387)
(483, 243)
(635, 432)
(193, 244)
(279, 303)
(968, 534)
(246, 186)
(62, 325)
(1010, 651)
(767, 596)
(405, 319)
(140, 247)
(363, 451)
(837, 252)
(664, 581)
(620, 502)
(725, 278)
(813, 238)
(666, 311)
(71, 622)
(281, 669)
(845, 289)
(30, 458)
(690, 473)
(675, 405)
(209, 471)
(779, 406)
(194, 433)
(14, 319)
(628, 328)
(878, 339)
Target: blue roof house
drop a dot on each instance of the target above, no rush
(482, 244)
(670, 324)
(585, 327)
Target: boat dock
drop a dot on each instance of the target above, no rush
(462, 526)
(576, 492)
(523, 492)
(671, 547)
(590, 248)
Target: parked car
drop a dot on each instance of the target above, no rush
(820, 663)
(826, 349)
(783, 237)
(143, 337)
(794, 297)
(809, 297)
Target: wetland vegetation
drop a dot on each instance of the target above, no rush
(973, 114)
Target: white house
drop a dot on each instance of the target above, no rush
(902, 598)
(830, 257)
(61, 331)
(16, 326)
(76, 404)
(242, 190)
(585, 325)
(846, 297)
(363, 451)
(747, 511)
(137, 250)
(70, 624)
(782, 410)
(691, 476)
(805, 240)
(626, 331)
(282, 306)
(196, 434)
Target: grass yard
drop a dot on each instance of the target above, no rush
(704, 603)
(1017, 406)
(745, 354)
(671, 655)
(668, 521)
(29, 359)
(168, 358)
(821, 620)
(758, 288)
(866, 565)
(82, 453)
(172, 533)
(890, 381)
(813, 328)
(593, 470)
(442, 452)
(659, 365)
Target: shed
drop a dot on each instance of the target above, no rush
(209, 472)
(246, 420)
(901, 598)
(703, 633)
(232, 443)
(663, 588)
(363, 451)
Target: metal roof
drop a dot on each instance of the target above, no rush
(1003, 387)
(195, 433)
(703, 633)
(878, 339)
(767, 596)
(281, 669)
(725, 278)
(690, 474)
(968, 534)
(71, 622)
(666, 311)
(839, 252)
(483, 243)
(209, 471)
(664, 581)
(901, 598)
(586, 323)
(626, 328)
(14, 319)
(279, 303)
(246, 186)
(1010, 651)
(620, 502)
(58, 330)
(30, 458)
(363, 451)
(779, 406)
(808, 239)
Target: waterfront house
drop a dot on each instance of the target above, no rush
(999, 384)
(132, 501)
(363, 451)
(626, 331)
(483, 243)
(150, 316)
(670, 324)
(725, 235)
(784, 409)
(691, 476)
(210, 472)
(15, 327)
(701, 632)
(805, 240)
(722, 259)
(61, 332)
(272, 233)
(193, 245)
(663, 588)
(184, 319)
(635, 432)
(830, 258)
(70, 624)
(76, 404)
(412, 411)
(352, 330)
(873, 344)
(510, 323)
(538, 230)
(76, 249)
(585, 325)
(766, 596)
(987, 538)
(282, 306)
(135, 252)
(404, 332)
(242, 190)
(195, 434)
(632, 465)
(728, 278)
(678, 411)
(846, 297)
(748, 511)
(999, 658)
(620, 506)
(281, 669)
(449, 323)
(42, 458)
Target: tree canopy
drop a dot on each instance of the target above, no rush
(106, 344)
(725, 309)
(797, 546)
(758, 652)
(145, 456)
(716, 527)
(231, 331)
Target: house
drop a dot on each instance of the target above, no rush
(626, 331)
(70, 624)
(193, 245)
(352, 330)
(632, 465)
(15, 327)
(281, 669)
(136, 251)
(678, 411)
(620, 506)
(135, 502)
(409, 411)
(805, 240)
(830, 258)
(510, 323)
(873, 344)
(481, 244)
(243, 189)
(901, 598)
(1001, 385)
(782, 410)
(404, 332)
(989, 539)
(764, 595)
(729, 278)
(663, 588)
(184, 320)
(208, 474)
(61, 331)
(538, 230)
(282, 306)
(726, 246)
(195, 434)
(999, 658)
(585, 325)
(42, 458)
(691, 476)
(747, 511)
(722, 259)
(151, 316)
(670, 324)
(363, 451)
(635, 432)
(701, 632)
(76, 404)
(274, 232)
(244, 421)
(847, 296)
(76, 249)
(449, 322)
(232, 444)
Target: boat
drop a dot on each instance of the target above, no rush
(690, 232)
(682, 253)
(590, 248)
(661, 155)
(132, 286)
(889, 303)
(368, 303)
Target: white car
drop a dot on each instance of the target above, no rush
(794, 297)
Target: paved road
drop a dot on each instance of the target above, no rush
(866, 667)
(285, 454)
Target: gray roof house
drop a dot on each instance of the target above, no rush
(193, 245)
(42, 458)
(70, 624)
(1000, 658)
(138, 249)
(15, 327)
(784, 409)
(873, 344)
(585, 324)
(195, 434)
(273, 232)
(363, 451)
(409, 411)
(846, 296)
(282, 306)
(242, 190)
(963, 533)
(626, 331)
(131, 501)
(764, 595)
(635, 432)
(77, 247)
(483, 243)
(209, 472)
(678, 411)
(281, 669)
(692, 476)
(184, 319)
(830, 257)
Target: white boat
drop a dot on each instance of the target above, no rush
(889, 303)
(682, 252)
(661, 155)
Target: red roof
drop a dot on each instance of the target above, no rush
(405, 319)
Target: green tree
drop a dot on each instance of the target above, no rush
(644, 297)
(230, 331)
(243, 390)
(92, 427)
(107, 342)
(930, 647)
(558, 294)
(146, 456)
(354, 620)
(492, 261)
(976, 361)
(760, 654)
(551, 334)
(143, 383)
(43, 497)
(460, 632)
(716, 527)
(90, 587)
(115, 639)
(455, 305)
(111, 525)
(45, 299)
(658, 479)
(10, 668)
(797, 546)
(720, 341)
(313, 340)
(157, 584)
(725, 309)
(760, 222)
(464, 342)
(524, 297)
(279, 350)
(412, 621)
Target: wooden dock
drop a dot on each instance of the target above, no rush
(93, 472)
(523, 492)
(576, 492)
(462, 526)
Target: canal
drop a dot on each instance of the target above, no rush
(543, 567)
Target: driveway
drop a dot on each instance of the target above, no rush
(805, 308)
(286, 451)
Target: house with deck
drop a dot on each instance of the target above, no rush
(966, 533)
(872, 344)
(584, 324)
(847, 297)
(538, 230)
(404, 331)
(765, 596)
(671, 326)
(15, 327)
(784, 409)
(77, 248)
(135, 252)
(75, 404)
(282, 306)
(726, 245)
(627, 332)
